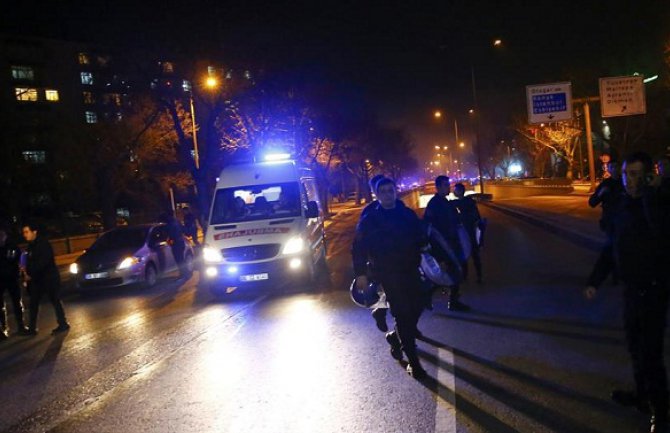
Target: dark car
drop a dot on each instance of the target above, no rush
(128, 255)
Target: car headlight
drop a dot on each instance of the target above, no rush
(294, 245)
(211, 255)
(74, 268)
(128, 262)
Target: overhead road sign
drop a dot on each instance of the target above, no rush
(622, 96)
(549, 102)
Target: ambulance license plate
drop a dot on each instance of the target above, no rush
(254, 277)
(96, 275)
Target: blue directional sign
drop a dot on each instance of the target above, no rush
(549, 102)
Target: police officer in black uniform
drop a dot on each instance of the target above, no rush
(641, 252)
(9, 281)
(470, 218)
(608, 194)
(379, 313)
(443, 216)
(390, 239)
(43, 278)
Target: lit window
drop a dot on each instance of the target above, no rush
(52, 95)
(91, 117)
(186, 85)
(168, 67)
(119, 117)
(88, 98)
(86, 78)
(247, 75)
(112, 98)
(35, 156)
(25, 94)
(23, 73)
(84, 59)
(229, 75)
(211, 70)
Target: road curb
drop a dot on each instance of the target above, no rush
(572, 236)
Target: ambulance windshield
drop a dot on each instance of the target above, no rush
(256, 202)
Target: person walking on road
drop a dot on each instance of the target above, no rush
(42, 276)
(387, 245)
(190, 226)
(443, 216)
(9, 282)
(641, 251)
(608, 194)
(470, 218)
(379, 313)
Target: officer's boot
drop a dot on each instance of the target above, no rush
(414, 367)
(21, 327)
(454, 303)
(396, 348)
(4, 331)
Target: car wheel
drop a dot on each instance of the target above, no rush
(150, 276)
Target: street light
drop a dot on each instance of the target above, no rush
(211, 83)
(475, 114)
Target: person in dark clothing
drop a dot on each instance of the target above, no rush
(379, 313)
(608, 194)
(387, 246)
(442, 214)
(9, 281)
(191, 226)
(470, 218)
(42, 276)
(641, 256)
(176, 241)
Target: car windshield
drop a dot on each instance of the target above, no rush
(256, 202)
(122, 238)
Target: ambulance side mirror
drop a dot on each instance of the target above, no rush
(312, 210)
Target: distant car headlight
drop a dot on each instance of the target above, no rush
(128, 262)
(211, 255)
(294, 245)
(74, 268)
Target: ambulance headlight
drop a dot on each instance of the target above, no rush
(294, 245)
(211, 255)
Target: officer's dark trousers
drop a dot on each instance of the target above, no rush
(12, 287)
(645, 307)
(476, 258)
(52, 290)
(406, 302)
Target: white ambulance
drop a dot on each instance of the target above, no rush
(265, 225)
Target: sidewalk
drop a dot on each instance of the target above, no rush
(568, 216)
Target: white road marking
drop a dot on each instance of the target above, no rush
(445, 412)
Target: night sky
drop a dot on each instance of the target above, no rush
(406, 57)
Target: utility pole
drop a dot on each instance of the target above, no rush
(589, 138)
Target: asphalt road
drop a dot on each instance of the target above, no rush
(532, 355)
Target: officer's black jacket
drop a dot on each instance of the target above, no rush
(641, 247)
(610, 200)
(41, 266)
(468, 213)
(443, 215)
(390, 239)
(9, 261)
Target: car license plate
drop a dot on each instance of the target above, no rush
(254, 277)
(96, 275)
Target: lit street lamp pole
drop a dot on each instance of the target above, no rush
(476, 127)
(196, 155)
